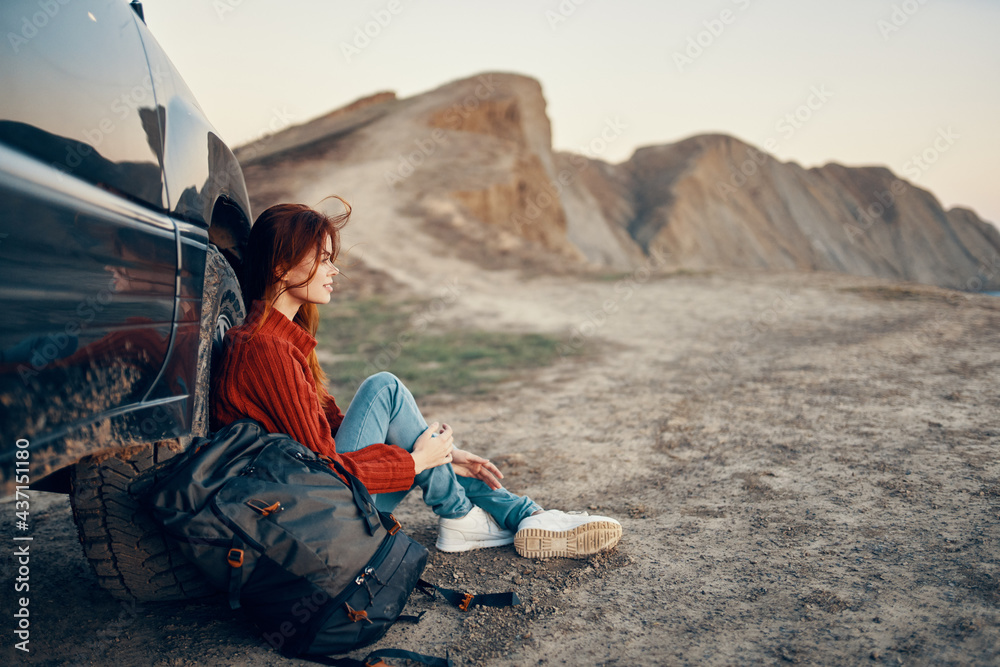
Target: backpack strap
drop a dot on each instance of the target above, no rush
(389, 522)
(374, 659)
(362, 498)
(235, 559)
(464, 600)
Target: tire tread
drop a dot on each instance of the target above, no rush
(126, 548)
(122, 542)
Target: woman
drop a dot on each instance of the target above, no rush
(269, 372)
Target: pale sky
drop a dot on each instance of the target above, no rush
(888, 80)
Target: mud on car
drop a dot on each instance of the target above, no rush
(123, 221)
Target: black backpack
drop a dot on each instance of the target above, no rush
(308, 557)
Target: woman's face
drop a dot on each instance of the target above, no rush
(318, 289)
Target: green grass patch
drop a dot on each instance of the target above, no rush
(373, 334)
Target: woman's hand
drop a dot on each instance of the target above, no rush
(433, 448)
(468, 464)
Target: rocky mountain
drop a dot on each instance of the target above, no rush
(714, 201)
(471, 166)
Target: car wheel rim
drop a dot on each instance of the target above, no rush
(222, 326)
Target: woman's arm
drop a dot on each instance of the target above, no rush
(280, 395)
(433, 447)
(468, 464)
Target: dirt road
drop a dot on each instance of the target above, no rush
(805, 467)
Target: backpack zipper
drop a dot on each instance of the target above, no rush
(369, 570)
(233, 526)
(373, 563)
(313, 463)
(250, 468)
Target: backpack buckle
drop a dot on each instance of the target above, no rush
(464, 604)
(235, 557)
(396, 525)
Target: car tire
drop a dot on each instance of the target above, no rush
(126, 548)
(222, 308)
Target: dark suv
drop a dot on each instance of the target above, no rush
(123, 220)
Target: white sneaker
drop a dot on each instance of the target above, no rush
(475, 530)
(565, 534)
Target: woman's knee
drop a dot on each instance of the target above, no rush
(379, 380)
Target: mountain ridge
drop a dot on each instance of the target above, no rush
(475, 155)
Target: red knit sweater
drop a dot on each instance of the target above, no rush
(264, 375)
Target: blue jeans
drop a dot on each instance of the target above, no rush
(383, 410)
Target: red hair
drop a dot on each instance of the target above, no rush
(282, 237)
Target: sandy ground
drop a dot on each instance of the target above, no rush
(804, 465)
